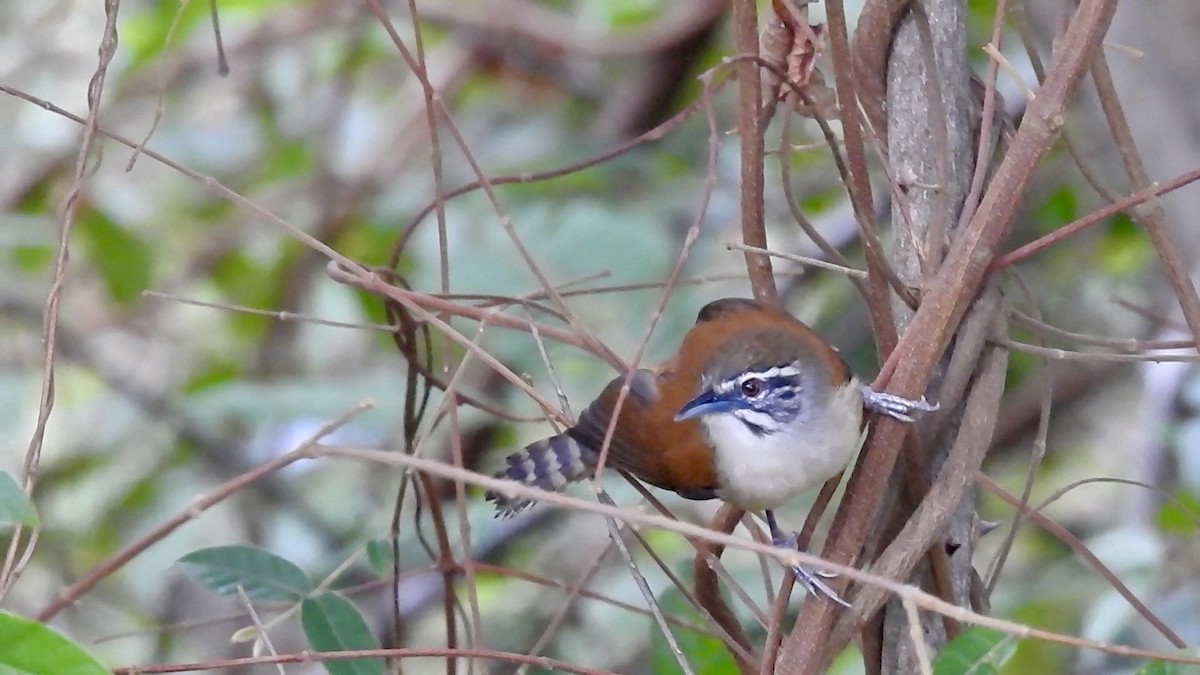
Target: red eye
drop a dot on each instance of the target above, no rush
(752, 387)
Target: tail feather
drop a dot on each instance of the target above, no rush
(550, 464)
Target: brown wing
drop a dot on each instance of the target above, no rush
(647, 441)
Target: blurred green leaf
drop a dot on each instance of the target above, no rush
(32, 257)
(287, 160)
(123, 260)
(978, 651)
(1124, 249)
(216, 374)
(262, 575)
(15, 507)
(1060, 208)
(1180, 515)
(332, 624)
(29, 647)
(380, 556)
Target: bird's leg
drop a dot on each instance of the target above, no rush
(811, 580)
(898, 407)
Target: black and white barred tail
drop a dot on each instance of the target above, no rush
(549, 464)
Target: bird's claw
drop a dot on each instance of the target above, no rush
(896, 407)
(812, 580)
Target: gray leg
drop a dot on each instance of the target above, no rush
(811, 580)
(897, 407)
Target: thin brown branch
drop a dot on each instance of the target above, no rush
(1150, 216)
(708, 592)
(1080, 549)
(745, 31)
(1156, 189)
(69, 595)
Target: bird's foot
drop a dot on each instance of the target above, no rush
(813, 580)
(897, 407)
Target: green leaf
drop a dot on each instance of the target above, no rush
(261, 574)
(332, 624)
(15, 507)
(124, 260)
(28, 647)
(380, 557)
(978, 651)
(1179, 515)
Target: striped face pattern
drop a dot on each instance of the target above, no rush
(766, 401)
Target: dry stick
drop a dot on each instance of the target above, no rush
(1035, 460)
(433, 378)
(614, 533)
(758, 266)
(1079, 548)
(193, 511)
(929, 248)
(1155, 189)
(349, 271)
(716, 564)
(872, 45)
(574, 591)
(1070, 355)
(737, 651)
(983, 154)
(745, 32)
(1124, 345)
(419, 68)
(785, 180)
(802, 259)
(708, 592)
(14, 563)
(650, 136)
(784, 556)
(1164, 494)
(957, 282)
(1017, 15)
(865, 219)
(916, 634)
(882, 321)
(940, 500)
(693, 233)
(547, 664)
(775, 627)
(260, 629)
(418, 303)
(587, 337)
(1151, 216)
(578, 590)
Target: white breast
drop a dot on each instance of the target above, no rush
(764, 472)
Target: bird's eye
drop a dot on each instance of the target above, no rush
(752, 387)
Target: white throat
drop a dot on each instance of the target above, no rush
(764, 472)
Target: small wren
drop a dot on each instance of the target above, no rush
(754, 409)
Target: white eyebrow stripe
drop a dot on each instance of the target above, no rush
(790, 370)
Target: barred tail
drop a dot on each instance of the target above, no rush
(549, 464)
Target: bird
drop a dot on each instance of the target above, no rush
(754, 409)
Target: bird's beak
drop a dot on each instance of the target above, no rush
(707, 403)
